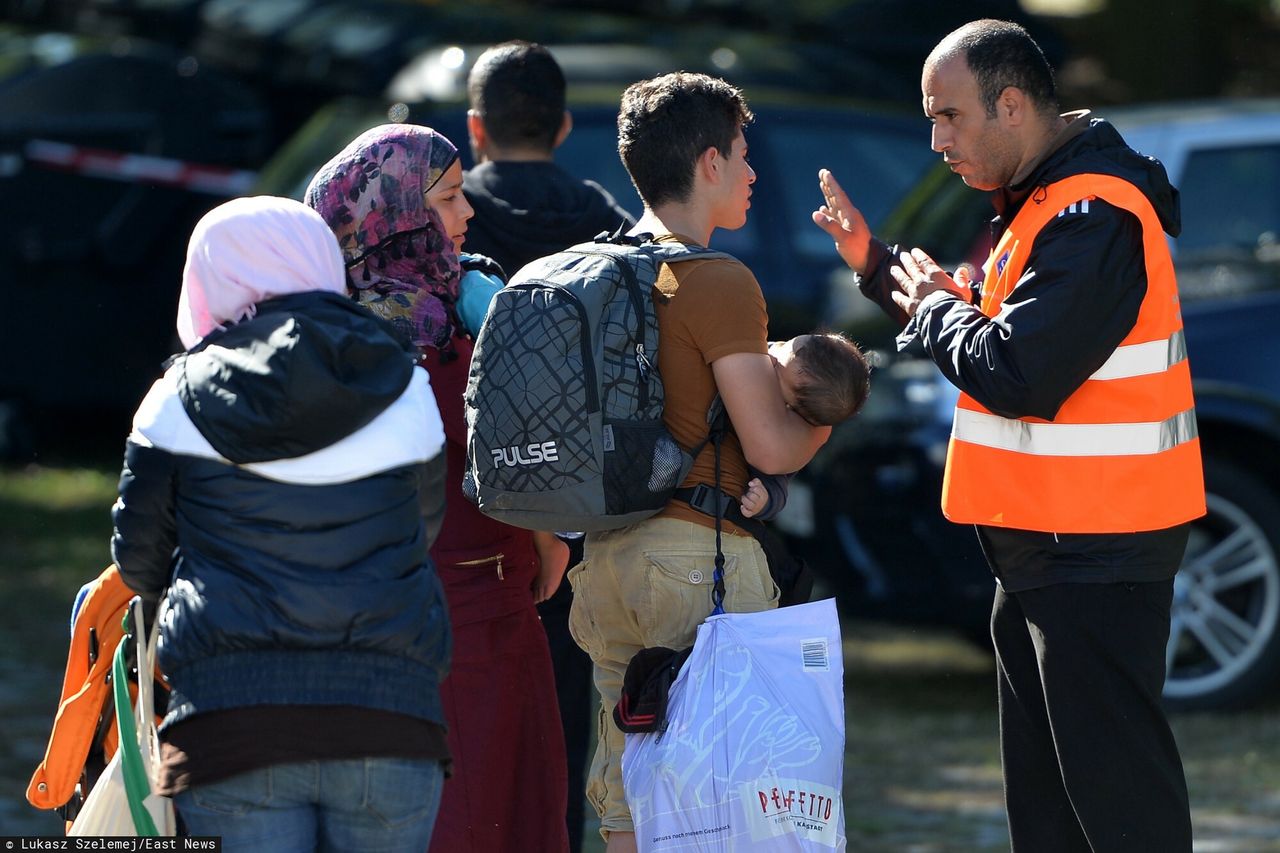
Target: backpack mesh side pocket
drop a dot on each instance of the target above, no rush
(644, 467)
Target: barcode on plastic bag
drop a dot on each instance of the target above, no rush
(813, 653)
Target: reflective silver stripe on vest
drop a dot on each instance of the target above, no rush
(1144, 359)
(1074, 439)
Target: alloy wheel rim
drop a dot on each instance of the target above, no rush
(1226, 602)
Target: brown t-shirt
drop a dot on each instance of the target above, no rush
(706, 309)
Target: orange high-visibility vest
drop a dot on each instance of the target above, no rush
(1123, 452)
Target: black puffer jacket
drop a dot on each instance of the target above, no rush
(525, 210)
(276, 483)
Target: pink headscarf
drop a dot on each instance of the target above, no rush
(249, 250)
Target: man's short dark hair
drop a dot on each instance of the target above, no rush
(517, 89)
(837, 379)
(666, 123)
(1002, 54)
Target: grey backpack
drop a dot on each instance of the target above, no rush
(564, 400)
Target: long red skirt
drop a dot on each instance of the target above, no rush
(508, 788)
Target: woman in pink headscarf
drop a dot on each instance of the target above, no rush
(282, 484)
(394, 199)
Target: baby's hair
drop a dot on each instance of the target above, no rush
(837, 379)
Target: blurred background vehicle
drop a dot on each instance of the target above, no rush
(875, 487)
(121, 143)
(110, 151)
(793, 136)
(125, 120)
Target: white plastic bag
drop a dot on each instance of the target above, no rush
(753, 754)
(116, 807)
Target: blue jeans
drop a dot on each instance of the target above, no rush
(377, 805)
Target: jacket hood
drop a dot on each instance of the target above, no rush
(307, 371)
(525, 210)
(1100, 149)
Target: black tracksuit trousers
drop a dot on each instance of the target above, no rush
(1090, 763)
(575, 691)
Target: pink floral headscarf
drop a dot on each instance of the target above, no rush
(249, 250)
(402, 263)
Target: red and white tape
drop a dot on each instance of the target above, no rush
(139, 168)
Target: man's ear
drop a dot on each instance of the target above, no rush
(476, 131)
(709, 163)
(1012, 106)
(566, 125)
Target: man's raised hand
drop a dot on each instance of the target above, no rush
(843, 222)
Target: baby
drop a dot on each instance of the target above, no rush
(824, 379)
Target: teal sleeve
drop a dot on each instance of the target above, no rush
(474, 293)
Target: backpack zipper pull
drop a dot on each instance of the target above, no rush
(500, 577)
(642, 362)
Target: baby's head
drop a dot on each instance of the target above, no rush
(824, 376)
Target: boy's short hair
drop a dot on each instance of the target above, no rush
(838, 379)
(666, 123)
(518, 90)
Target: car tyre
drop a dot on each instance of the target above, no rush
(1224, 638)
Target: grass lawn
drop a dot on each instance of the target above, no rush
(55, 526)
(921, 762)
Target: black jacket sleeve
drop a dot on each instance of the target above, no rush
(776, 487)
(144, 535)
(1078, 298)
(878, 283)
(431, 494)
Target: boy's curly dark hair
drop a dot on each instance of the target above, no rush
(666, 123)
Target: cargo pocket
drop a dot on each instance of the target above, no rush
(582, 623)
(680, 585)
(755, 590)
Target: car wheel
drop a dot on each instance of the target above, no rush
(1224, 636)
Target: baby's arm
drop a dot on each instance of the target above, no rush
(766, 495)
(756, 499)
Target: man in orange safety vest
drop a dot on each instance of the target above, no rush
(1074, 448)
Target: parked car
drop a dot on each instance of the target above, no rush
(146, 138)
(110, 152)
(874, 523)
(793, 136)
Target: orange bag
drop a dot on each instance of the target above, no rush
(95, 633)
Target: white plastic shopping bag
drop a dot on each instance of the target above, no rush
(753, 753)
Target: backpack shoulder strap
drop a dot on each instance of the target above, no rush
(664, 252)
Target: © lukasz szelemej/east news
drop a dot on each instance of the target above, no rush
(32, 842)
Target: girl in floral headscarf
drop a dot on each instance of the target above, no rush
(394, 199)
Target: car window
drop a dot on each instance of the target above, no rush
(876, 163)
(590, 152)
(1230, 200)
(1230, 222)
(329, 130)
